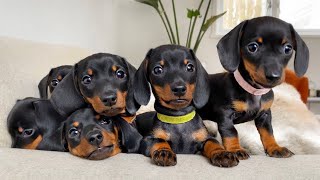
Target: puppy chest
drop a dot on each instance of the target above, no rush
(246, 110)
(186, 138)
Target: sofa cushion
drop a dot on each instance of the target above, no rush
(43, 164)
(23, 65)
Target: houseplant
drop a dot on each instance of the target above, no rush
(192, 14)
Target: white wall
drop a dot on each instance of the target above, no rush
(82, 23)
(125, 27)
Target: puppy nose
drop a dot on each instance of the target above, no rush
(95, 138)
(179, 90)
(110, 100)
(274, 76)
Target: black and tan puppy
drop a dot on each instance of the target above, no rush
(52, 80)
(34, 124)
(179, 83)
(255, 54)
(93, 136)
(100, 80)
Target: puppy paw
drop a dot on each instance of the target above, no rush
(279, 152)
(224, 159)
(241, 154)
(164, 157)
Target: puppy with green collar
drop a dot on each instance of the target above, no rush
(180, 85)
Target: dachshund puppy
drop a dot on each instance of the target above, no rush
(34, 124)
(101, 80)
(95, 137)
(180, 85)
(52, 80)
(255, 54)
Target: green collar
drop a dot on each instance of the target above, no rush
(176, 119)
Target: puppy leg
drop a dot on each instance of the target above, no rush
(159, 150)
(218, 155)
(230, 139)
(263, 124)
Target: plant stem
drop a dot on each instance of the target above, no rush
(193, 25)
(199, 34)
(170, 28)
(187, 42)
(175, 19)
(165, 25)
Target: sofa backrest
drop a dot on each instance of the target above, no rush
(22, 65)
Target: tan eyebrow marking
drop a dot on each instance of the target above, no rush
(90, 72)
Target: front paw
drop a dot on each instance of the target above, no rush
(241, 154)
(164, 157)
(224, 159)
(279, 152)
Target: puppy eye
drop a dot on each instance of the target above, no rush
(54, 83)
(120, 74)
(190, 67)
(73, 132)
(253, 47)
(27, 132)
(287, 49)
(86, 79)
(158, 70)
(105, 121)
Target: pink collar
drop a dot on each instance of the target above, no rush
(246, 86)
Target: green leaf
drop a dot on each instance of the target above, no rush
(152, 3)
(210, 21)
(192, 13)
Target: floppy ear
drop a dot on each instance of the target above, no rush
(66, 97)
(202, 89)
(129, 136)
(62, 133)
(43, 86)
(47, 118)
(131, 105)
(301, 60)
(141, 88)
(229, 48)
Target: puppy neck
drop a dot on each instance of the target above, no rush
(248, 87)
(171, 112)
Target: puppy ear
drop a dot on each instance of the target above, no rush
(141, 88)
(131, 105)
(229, 48)
(43, 86)
(66, 97)
(301, 60)
(130, 137)
(202, 89)
(62, 130)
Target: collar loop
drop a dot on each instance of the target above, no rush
(247, 87)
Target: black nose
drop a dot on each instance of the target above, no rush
(274, 76)
(110, 100)
(95, 138)
(179, 90)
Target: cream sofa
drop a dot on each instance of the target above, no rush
(24, 63)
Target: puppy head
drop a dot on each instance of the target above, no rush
(90, 135)
(103, 80)
(22, 125)
(52, 80)
(261, 48)
(33, 124)
(176, 76)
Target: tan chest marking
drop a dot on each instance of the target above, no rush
(200, 135)
(161, 134)
(240, 106)
(266, 105)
